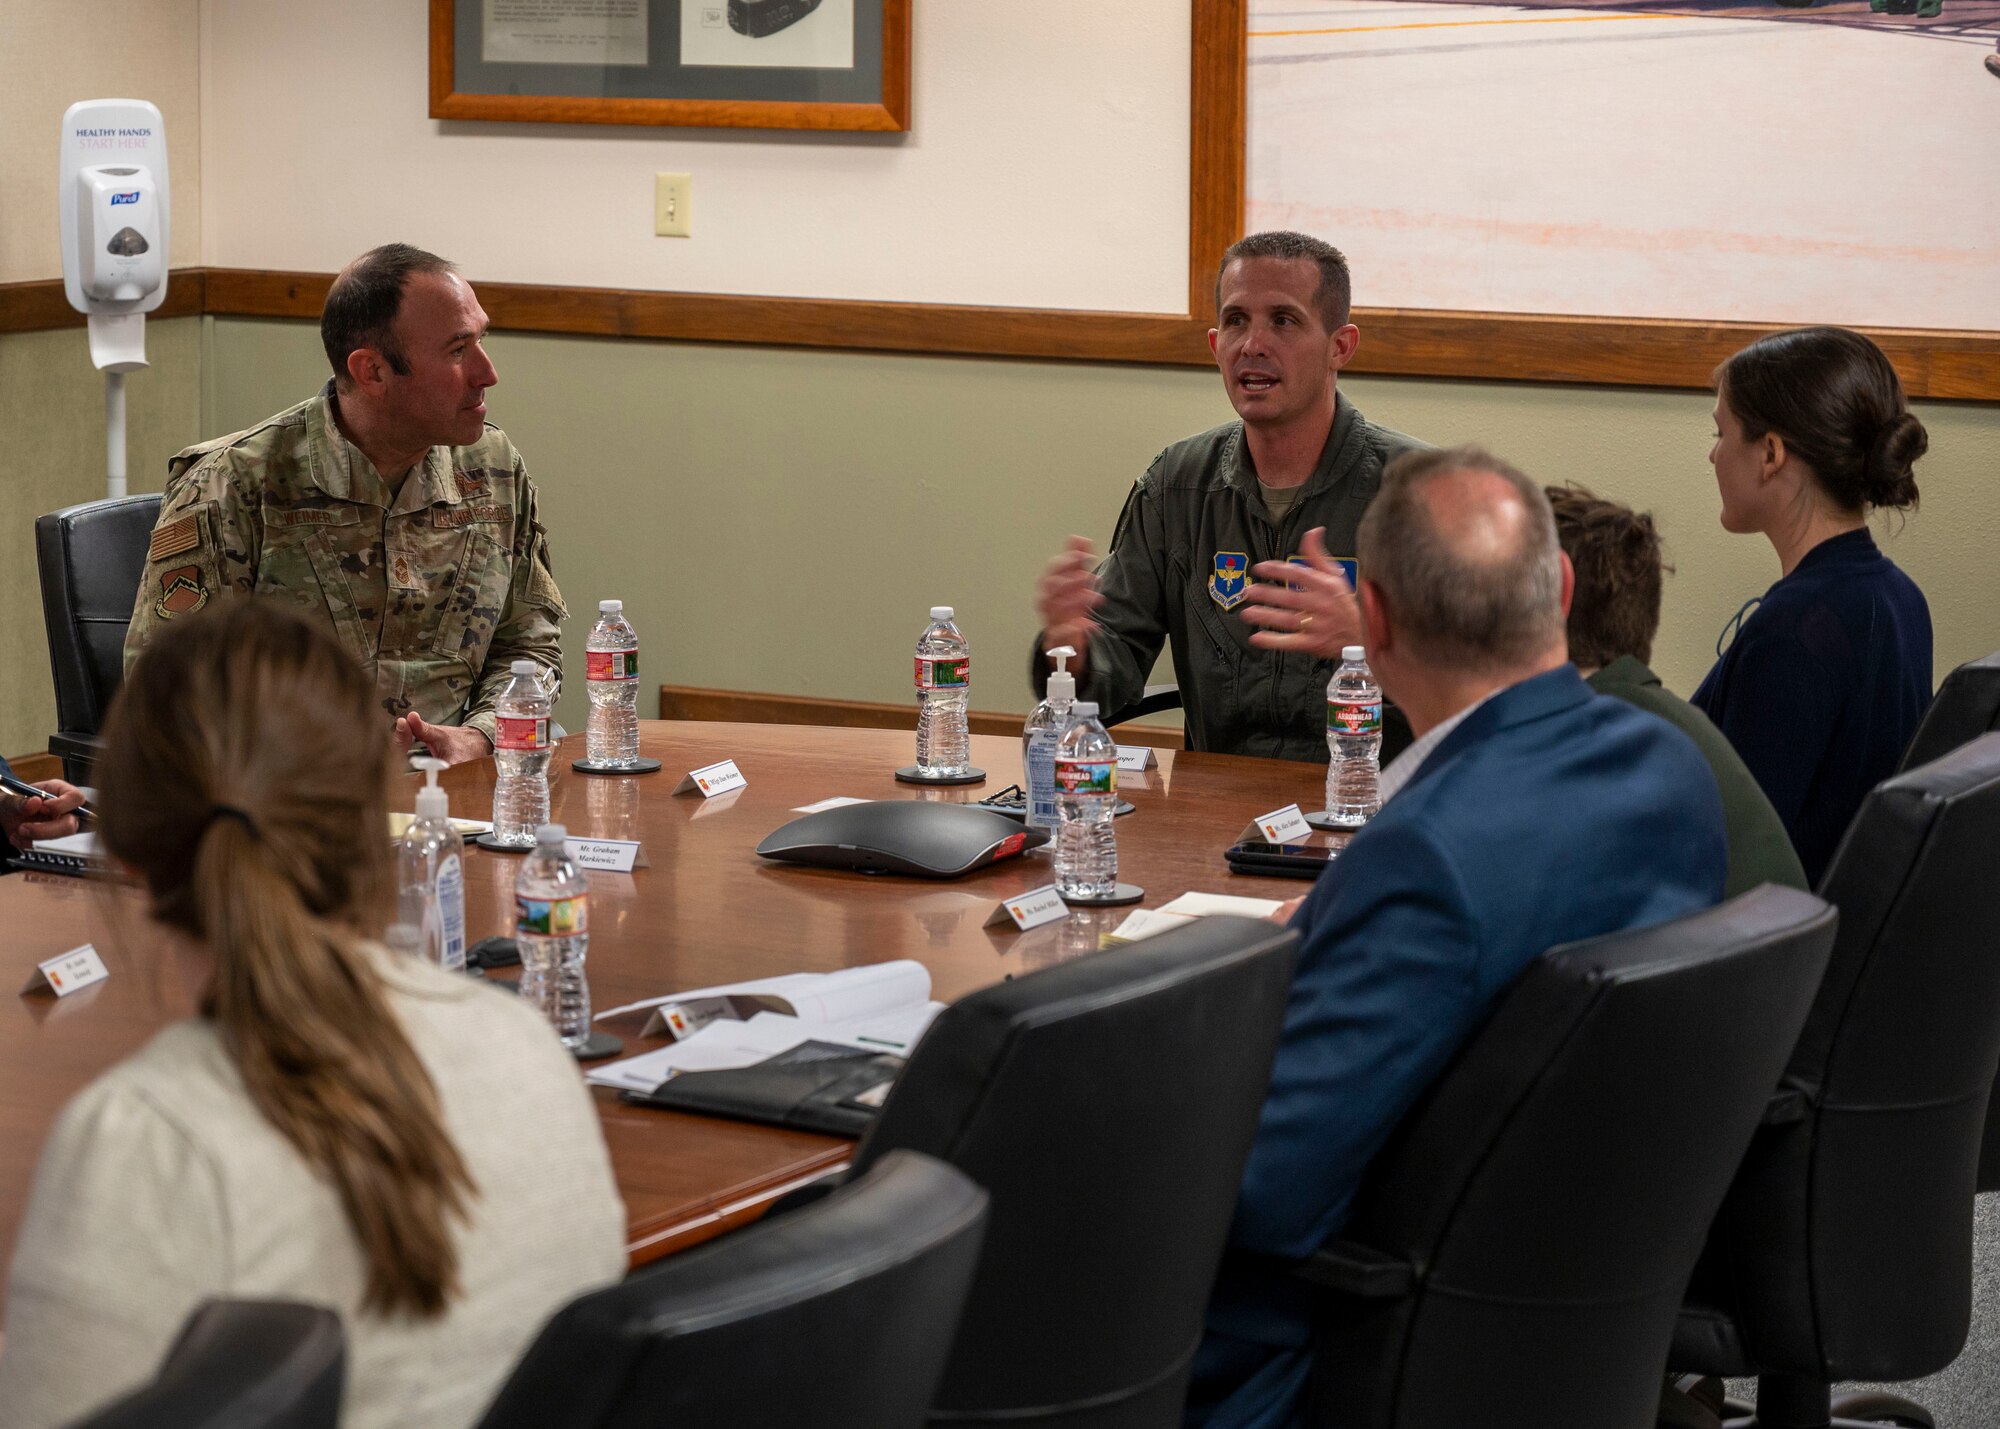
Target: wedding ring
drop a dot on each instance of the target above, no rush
(1304, 621)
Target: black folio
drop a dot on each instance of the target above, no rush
(817, 1086)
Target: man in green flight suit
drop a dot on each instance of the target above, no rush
(1277, 495)
(386, 506)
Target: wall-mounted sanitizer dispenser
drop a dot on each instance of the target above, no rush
(113, 198)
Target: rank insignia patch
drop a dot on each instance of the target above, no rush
(181, 593)
(1232, 573)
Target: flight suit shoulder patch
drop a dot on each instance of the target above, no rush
(182, 592)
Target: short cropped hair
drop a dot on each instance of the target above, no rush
(1616, 553)
(361, 306)
(1336, 289)
(1480, 611)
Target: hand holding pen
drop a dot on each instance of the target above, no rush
(32, 812)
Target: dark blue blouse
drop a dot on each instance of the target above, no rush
(1824, 686)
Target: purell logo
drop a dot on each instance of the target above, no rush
(132, 197)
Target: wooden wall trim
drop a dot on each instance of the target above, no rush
(40, 306)
(1395, 342)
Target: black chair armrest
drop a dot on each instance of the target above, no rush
(1359, 1271)
(1788, 1104)
(810, 1192)
(78, 752)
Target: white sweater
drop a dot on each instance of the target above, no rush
(161, 1186)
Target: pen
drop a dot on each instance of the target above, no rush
(14, 785)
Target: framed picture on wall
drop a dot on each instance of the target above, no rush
(740, 64)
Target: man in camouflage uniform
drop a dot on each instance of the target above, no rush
(1265, 496)
(385, 506)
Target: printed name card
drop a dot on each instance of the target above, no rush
(1031, 909)
(1136, 758)
(611, 855)
(1281, 826)
(64, 974)
(712, 780)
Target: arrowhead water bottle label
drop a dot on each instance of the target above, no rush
(952, 674)
(1087, 776)
(611, 665)
(1354, 716)
(521, 732)
(552, 917)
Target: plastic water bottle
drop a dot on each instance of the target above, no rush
(1086, 799)
(430, 877)
(1038, 741)
(521, 757)
(552, 925)
(944, 682)
(611, 662)
(1353, 741)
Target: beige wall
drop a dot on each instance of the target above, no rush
(51, 398)
(781, 520)
(1046, 166)
(148, 50)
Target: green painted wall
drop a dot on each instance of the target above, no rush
(52, 426)
(781, 520)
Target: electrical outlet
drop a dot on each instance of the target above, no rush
(672, 193)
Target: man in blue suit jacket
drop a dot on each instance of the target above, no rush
(1529, 812)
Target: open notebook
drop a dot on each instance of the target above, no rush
(881, 1008)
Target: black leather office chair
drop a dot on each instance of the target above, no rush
(1108, 1104)
(242, 1364)
(1517, 1257)
(1967, 706)
(838, 1316)
(92, 558)
(1844, 1251)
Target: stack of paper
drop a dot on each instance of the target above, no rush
(1185, 909)
(883, 1007)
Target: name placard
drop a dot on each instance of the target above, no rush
(1281, 826)
(713, 779)
(68, 972)
(1031, 909)
(611, 855)
(1136, 758)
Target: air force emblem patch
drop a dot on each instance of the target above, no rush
(1226, 587)
(181, 593)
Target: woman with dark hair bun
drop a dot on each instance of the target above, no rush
(1830, 673)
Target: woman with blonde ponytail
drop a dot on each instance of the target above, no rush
(337, 1124)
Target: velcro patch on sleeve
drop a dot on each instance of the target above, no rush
(175, 537)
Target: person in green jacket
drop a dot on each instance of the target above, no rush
(1613, 616)
(1236, 546)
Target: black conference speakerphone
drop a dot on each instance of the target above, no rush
(908, 836)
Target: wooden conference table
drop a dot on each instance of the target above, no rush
(704, 910)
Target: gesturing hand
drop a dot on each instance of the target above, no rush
(454, 744)
(1066, 595)
(1307, 607)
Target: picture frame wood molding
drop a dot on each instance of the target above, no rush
(890, 115)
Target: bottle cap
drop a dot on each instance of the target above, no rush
(941, 612)
(611, 607)
(1084, 709)
(525, 667)
(1353, 654)
(432, 802)
(1062, 684)
(550, 836)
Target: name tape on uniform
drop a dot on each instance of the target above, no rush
(1136, 758)
(611, 855)
(838, 801)
(1031, 909)
(1281, 826)
(713, 779)
(65, 973)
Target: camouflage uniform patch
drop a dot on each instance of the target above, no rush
(435, 591)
